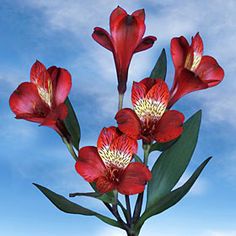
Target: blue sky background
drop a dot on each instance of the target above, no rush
(59, 33)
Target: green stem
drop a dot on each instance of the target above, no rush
(120, 104)
(129, 218)
(146, 149)
(139, 201)
(116, 212)
(70, 149)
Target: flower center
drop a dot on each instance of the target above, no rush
(149, 109)
(113, 174)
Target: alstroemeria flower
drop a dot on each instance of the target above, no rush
(42, 99)
(149, 120)
(126, 38)
(109, 164)
(193, 71)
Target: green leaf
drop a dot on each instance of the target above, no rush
(70, 207)
(161, 146)
(72, 124)
(173, 197)
(137, 158)
(108, 197)
(159, 70)
(172, 163)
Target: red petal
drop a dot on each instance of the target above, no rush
(125, 145)
(62, 84)
(106, 137)
(128, 123)
(179, 49)
(186, 82)
(134, 179)
(36, 70)
(139, 15)
(26, 103)
(116, 16)
(159, 92)
(170, 126)
(103, 185)
(210, 71)
(122, 149)
(89, 164)
(197, 45)
(102, 37)
(40, 77)
(139, 91)
(146, 43)
(148, 83)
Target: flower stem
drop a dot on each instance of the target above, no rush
(70, 148)
(146, 149)
(121, 98)
(129, 218)
(139, 201)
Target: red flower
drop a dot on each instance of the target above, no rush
(149, 120)
(126, 38)
(109, 165)
(42, 99)
(193, 71)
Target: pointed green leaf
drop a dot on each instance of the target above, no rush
(172, 163)
(173, 197)
(108, 198)
(70, 207)
(161, 146)
(72, 124)
(159, 70)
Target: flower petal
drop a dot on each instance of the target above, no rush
(134, 179)
(102, 37)
(41, 78)
(128, 123)
(36, 71)
(106, 137)
(89, 164)
(197, 45)
(146, 43)
(121, 152)
(187, 82)
(179, 49)
(159, 92)
(138, 92)
(155, 102)
(26, 103)
(210, 71)
(116, 16)
(125, 145)
(103, 185)
(170, 126)
(61, 84)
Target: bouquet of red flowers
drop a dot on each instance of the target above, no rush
(112, 167)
